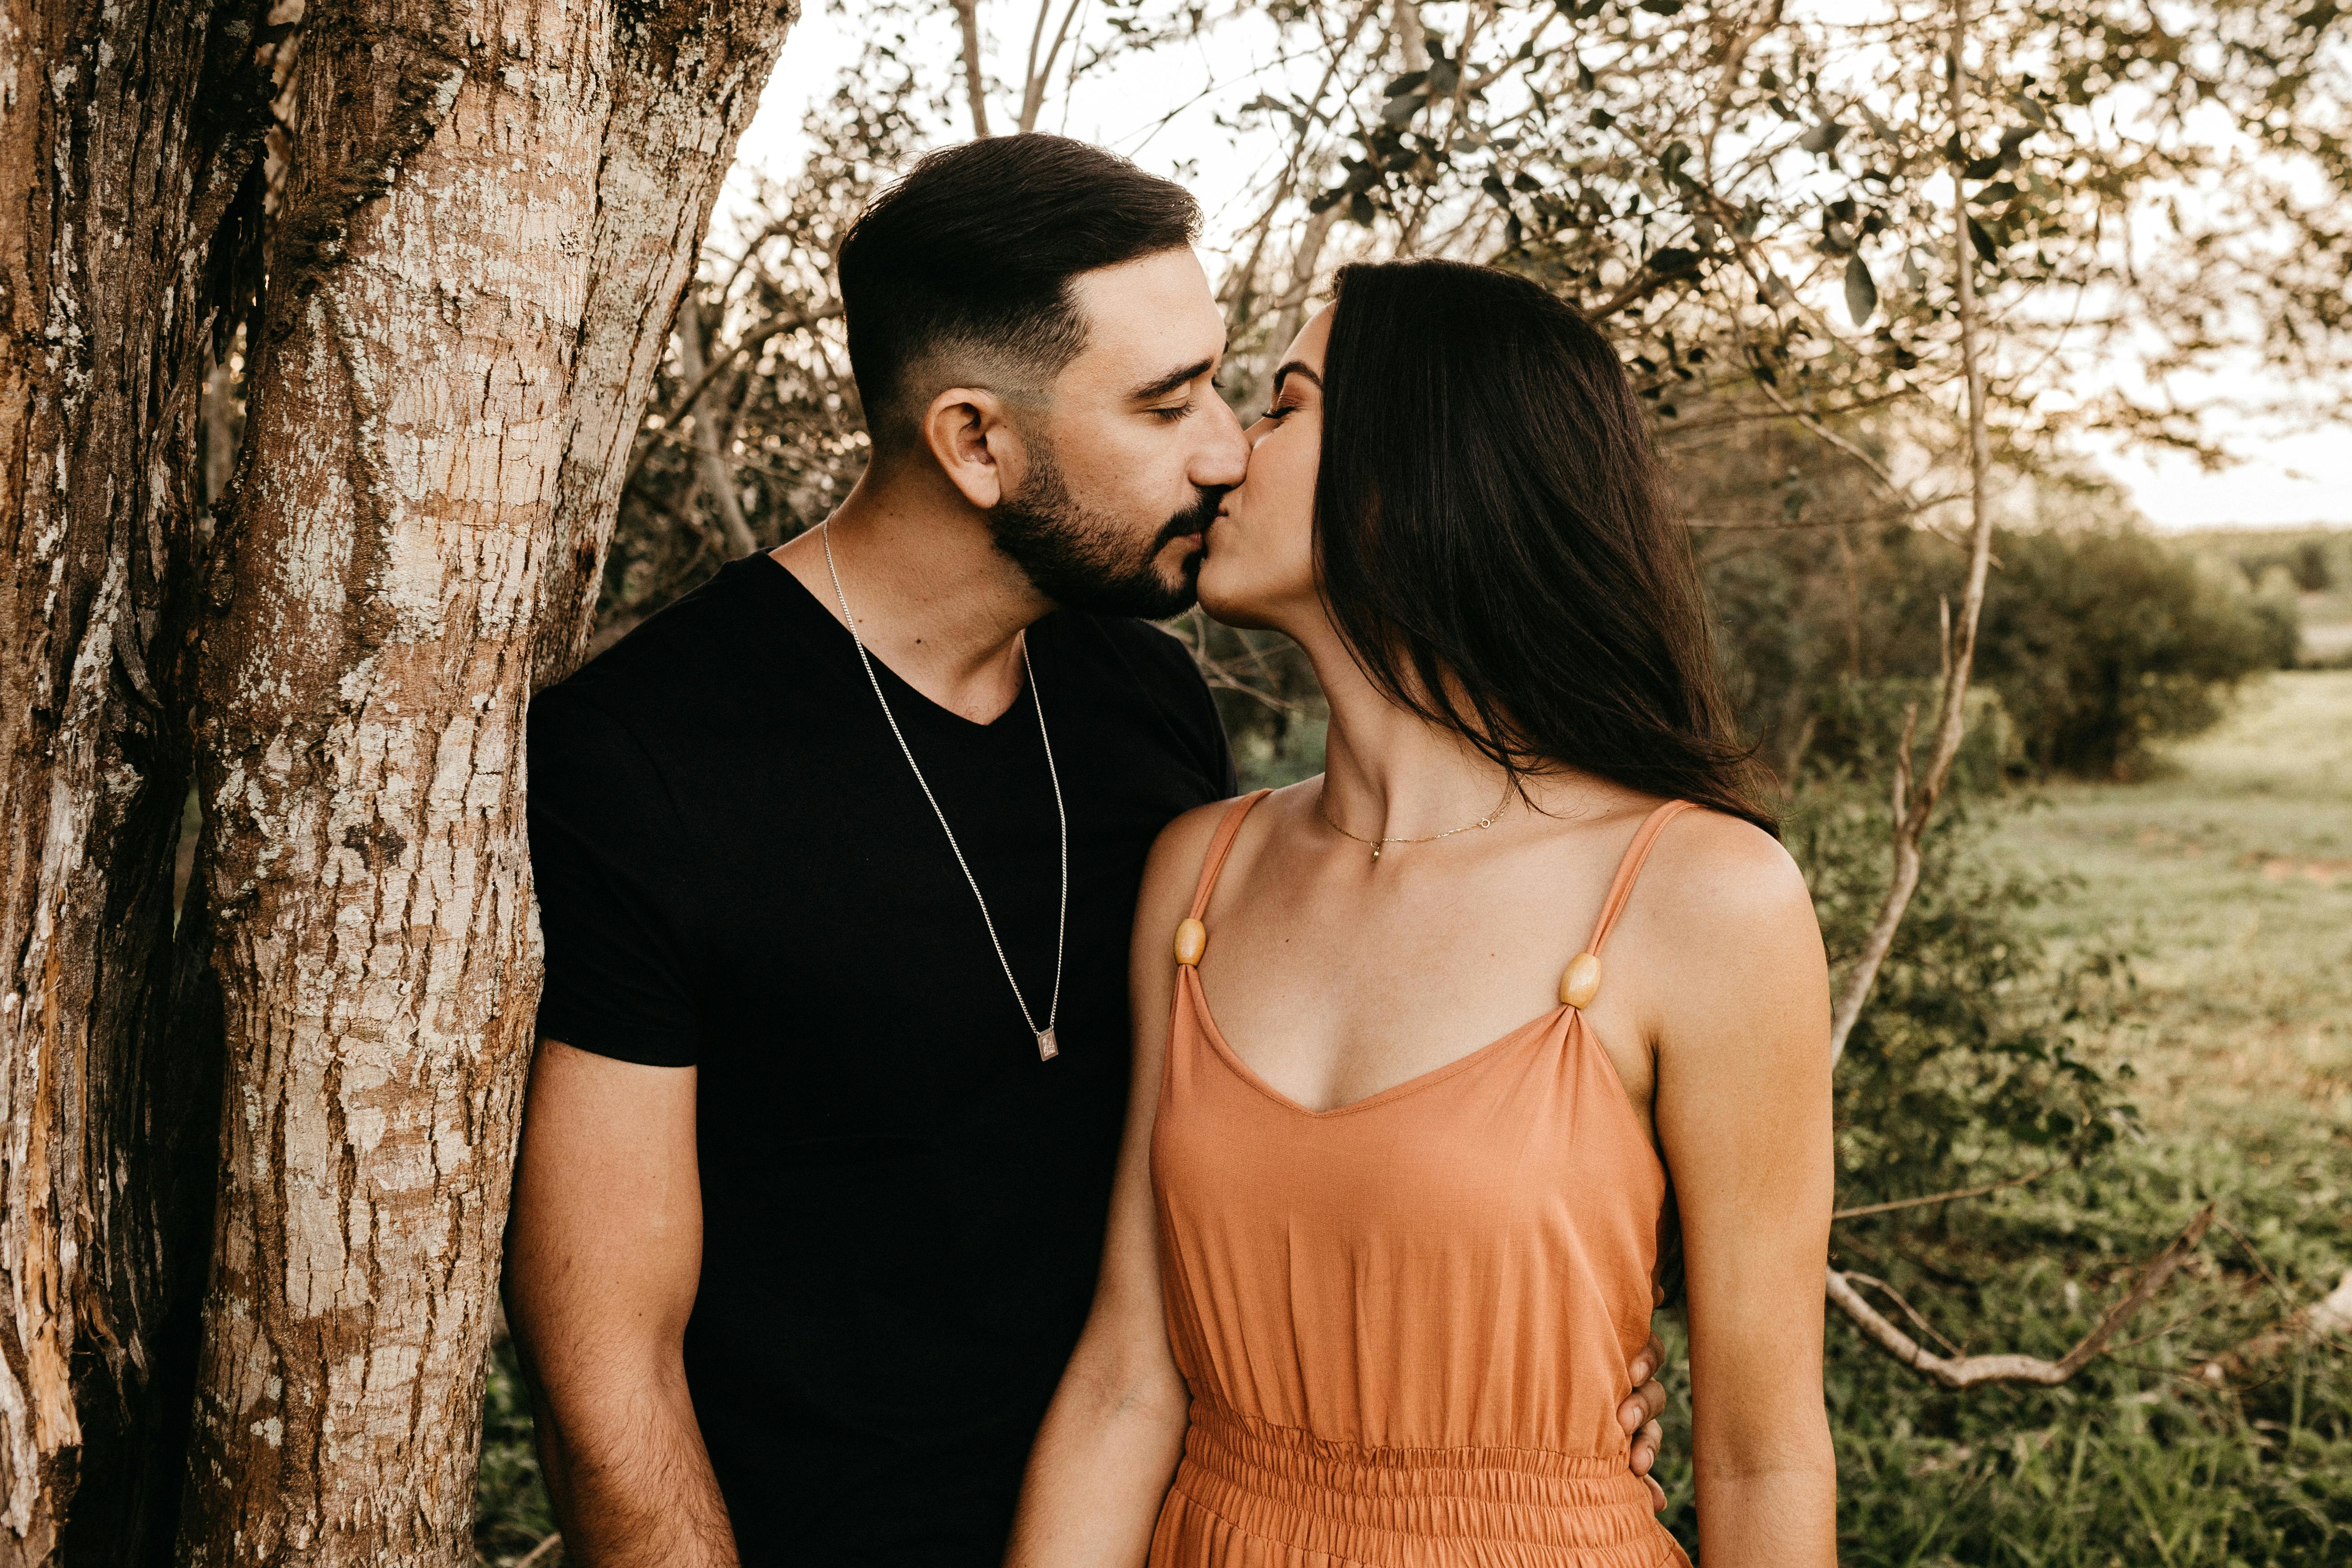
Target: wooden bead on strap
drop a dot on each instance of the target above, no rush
(1191, 941)
(1581, 980)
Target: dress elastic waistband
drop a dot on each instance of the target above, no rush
(1490, 1508)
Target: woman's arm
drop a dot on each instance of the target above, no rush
(1102, 1461)
(1730, 950)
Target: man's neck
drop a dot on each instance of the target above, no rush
(934, 598)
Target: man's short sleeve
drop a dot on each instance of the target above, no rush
(608, 861)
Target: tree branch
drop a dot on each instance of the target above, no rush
(1913, 807)
(783, 322)
(975, 90)
(1032, 88)
(1946, 1197)
(1973, 1371)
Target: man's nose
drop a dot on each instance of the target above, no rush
(1225, 458)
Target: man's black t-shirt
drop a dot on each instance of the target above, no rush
(903, 1207)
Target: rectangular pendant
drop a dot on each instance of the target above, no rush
(1047, 1046)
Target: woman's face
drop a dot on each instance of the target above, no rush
(1260, 566)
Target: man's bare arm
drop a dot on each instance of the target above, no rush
(604, 1251)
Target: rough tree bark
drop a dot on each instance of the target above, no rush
(491, 211)
(128, 141)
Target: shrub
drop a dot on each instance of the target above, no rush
(2105, 641)
(2098, 641)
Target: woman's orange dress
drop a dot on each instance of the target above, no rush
(1407, 1322)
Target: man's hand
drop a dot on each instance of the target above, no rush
(1639, 1415)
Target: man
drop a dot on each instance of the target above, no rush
(833, 1046)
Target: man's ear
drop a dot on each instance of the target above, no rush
(972, 436)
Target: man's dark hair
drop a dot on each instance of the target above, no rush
(973, 253)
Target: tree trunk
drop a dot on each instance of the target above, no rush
(491, 211)
(126, 144)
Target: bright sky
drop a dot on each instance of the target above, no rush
(2297, 479)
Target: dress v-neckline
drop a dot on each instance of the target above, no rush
(1541, 1023)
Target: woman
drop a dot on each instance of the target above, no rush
(1379, 1291)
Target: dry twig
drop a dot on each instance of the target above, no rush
(1972, 1370)
(1946, 1197)
(1914, 800)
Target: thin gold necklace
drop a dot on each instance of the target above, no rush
(1487, 821)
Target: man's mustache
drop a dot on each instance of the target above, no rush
(1193, 520)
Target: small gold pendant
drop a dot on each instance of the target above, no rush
(1047, 1046)
(1376, 851)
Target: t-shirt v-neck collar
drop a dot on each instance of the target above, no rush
(795, 601)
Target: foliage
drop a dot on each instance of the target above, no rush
(2103, 642)
(1971, 1063)
(2100, 641)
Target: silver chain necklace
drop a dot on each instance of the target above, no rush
(1047, 1046)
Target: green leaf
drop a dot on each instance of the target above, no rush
(1359, 209)
(1983, 242)
(1602, 119)
(1821, 138)
(1861, 292)
(1982, 169)
(1662, 8)
(1400, 110)
(1404, 84)
(1673, 261)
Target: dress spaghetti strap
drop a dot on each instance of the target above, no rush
(1220, 847)
(1629, 868)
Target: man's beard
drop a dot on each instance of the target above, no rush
(1075, 558)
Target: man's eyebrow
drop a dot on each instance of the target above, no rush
(1298, 367)
(1172, 381)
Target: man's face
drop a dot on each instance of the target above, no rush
(1132, 451)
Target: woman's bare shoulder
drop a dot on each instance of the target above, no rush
(1723, 926)
(1714, 875)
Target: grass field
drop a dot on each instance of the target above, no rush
(2227, 875)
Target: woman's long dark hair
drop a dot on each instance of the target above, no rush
(1494, 538)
